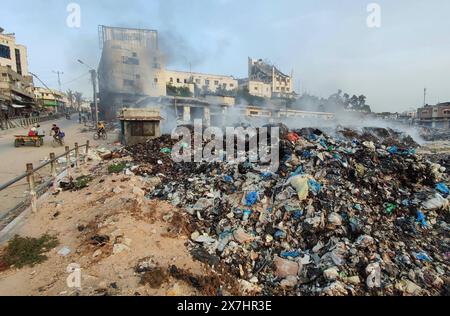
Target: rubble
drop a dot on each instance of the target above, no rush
(339, 210)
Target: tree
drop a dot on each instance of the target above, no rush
(70, 97)
(362, 101)
(78, 97)
(354, 102)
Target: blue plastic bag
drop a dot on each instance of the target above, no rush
(442, 187)
(228, 179)
(421, 219)
(291, 254)
(314, 186)
(251, 198)
(393, 150)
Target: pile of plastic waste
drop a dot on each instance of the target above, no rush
(355, 213)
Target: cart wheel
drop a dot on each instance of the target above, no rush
(105, 136)
(17, 143)
(96, 137)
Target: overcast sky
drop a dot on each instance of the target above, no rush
(326, 43)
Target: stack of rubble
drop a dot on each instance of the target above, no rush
(359, 213)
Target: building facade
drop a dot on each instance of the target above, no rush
(51, 100)
(201, 84)
(435, 116)
(16, 84)
(267, 81)
(131, 67)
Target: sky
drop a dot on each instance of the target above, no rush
(327, 44)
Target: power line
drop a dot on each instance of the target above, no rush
(59, 73)
(75, 79)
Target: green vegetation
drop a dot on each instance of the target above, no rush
(27, 251)
(244, 95)
(117, 168)
(178, 91)
(82, 182)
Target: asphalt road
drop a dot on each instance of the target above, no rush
(13, 160)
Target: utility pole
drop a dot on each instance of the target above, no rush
(94, 87)
(424, 96)
(59, 73)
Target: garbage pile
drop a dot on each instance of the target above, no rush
(356, 213)
(433, 134)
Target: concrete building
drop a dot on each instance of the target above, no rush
(51, 100)
(139, 125)
(276, 113)
(13, 55)
(265, 80)
(16, 84)
(201, 84)
(131, 67)
(435, 116)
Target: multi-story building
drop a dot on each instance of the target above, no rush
(435, 116)
(131, 67)
(265, 80)
(52, 100)
(201, 84)
(16, 85)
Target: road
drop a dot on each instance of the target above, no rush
(13, 160)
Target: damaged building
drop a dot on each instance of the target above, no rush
(131, 67)
(267, 81)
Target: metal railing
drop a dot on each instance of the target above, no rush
(35, 191)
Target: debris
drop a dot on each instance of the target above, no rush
(65, 251)
(344, 214)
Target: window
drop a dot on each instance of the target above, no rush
(254, 113)
(5, 51)
(171, 80)
(224, 85)
(138, 76)
(134, 54)
(216, 82)
(156, 80)
(185, 80)
(142, 128)
(178, 80)
(256, 88)
(197, 81)
(207, 82)
(231, 85)
(128, 83)
(446, 112)
(156, 66)
(130, 60)
(18, 62)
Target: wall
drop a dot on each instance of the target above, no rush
(10, 41)
(260, 89)
(207, 82)
(130, 140)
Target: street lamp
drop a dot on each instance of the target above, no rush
(94, 86)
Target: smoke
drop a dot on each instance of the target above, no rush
(177, 51)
